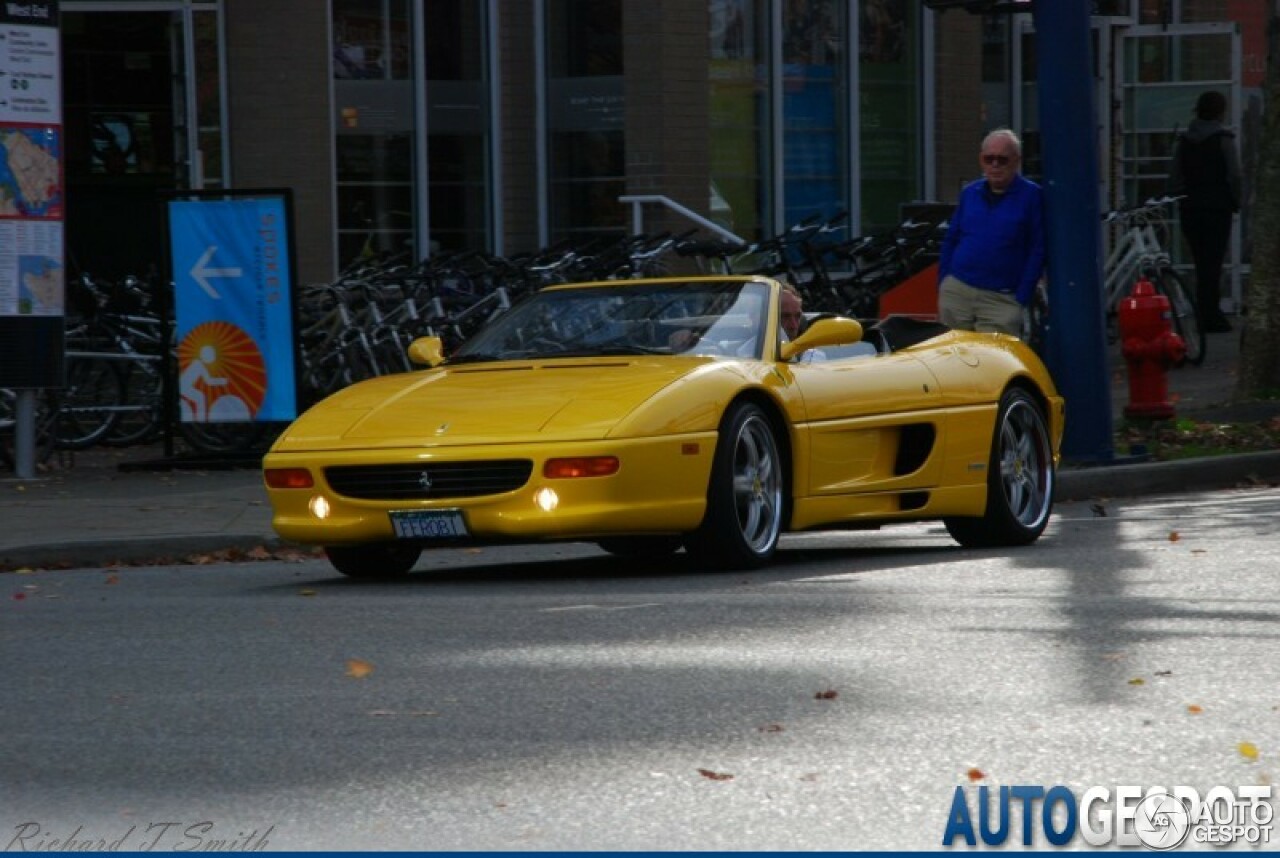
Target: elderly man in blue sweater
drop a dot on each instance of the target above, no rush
(993, 254)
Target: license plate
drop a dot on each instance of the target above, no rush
(428, 524)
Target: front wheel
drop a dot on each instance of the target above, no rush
(1020, 479)
(745, 497)
(375, 561)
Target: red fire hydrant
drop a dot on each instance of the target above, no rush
(1150, 348)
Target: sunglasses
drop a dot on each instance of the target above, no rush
(996, 160)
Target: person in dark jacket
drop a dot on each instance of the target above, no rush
(994, 251)
(1206, 174)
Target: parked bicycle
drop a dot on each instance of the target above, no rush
(1138, 252)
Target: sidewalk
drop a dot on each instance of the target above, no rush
(86, 511)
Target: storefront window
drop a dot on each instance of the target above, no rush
(889, 67)
(208, 77)
(814, 103)
(457, 124)
(739, 75)
(373, 124)
(586, 119)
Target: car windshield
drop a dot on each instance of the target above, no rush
(697, 317)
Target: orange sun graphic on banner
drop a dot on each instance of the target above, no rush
(221, 374)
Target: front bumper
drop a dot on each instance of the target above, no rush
(660, 487)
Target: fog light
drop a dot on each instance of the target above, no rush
(546, 499)
(319, 507)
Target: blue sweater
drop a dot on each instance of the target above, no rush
(996, 241)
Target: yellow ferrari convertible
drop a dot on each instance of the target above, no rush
(652, 415)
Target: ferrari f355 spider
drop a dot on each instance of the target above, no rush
(650, 416)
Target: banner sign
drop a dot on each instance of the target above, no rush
(233, 308)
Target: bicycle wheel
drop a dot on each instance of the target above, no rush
(86, 406)
(225, 437)
(142, 414)
(1186, 323)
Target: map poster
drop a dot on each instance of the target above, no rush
(32, 198)
(31, 275)
(31, 171)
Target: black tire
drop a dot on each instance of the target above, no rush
(374, 561)
(746, 495)
(87, 405)
(224, 438)
(642, 547)
(1020, 479)
(1182, 308)
(143, 415)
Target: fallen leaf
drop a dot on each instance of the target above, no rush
(1174, 536)
(258, 553)
(1112, 656)
(112, 579)
(809, 777)
(1194, 709)
(976, 774)
(307, 592)
(1248, 750)
(1164, 673)
(24, 571)
(715, 776)
(18, 597)
(1137, 680)
(826, 695)
(358, 668)
(770, 728)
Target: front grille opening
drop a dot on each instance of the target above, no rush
(429, 481)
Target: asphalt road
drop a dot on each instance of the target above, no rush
(555, 698)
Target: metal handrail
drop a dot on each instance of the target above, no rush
(638, 201)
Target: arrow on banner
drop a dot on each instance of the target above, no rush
(201, 273)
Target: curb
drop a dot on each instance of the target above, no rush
(1212, 472)
(132, 551)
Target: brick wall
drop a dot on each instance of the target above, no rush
(959, 120)
(668, 111)
(518, 109)
(280, 126)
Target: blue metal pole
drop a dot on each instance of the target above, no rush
(1075, 347)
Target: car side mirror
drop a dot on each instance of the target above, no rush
(427, 351)
(837, 331)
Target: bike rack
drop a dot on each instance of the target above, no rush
(638, 201)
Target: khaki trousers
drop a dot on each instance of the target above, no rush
(966, 308)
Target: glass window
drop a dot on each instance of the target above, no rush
(739, 104)
(586, 119)
(380, 196)
(814, 98)
(373, 127)
(208, 99)
(889, 110)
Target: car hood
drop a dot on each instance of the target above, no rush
(485, 403)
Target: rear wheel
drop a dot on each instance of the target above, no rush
(1186, 323)
(1020, 479)
(87, 405)
(745, 498)
(379, 560)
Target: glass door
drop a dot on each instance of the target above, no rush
(142, 106)
(1162, 72)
